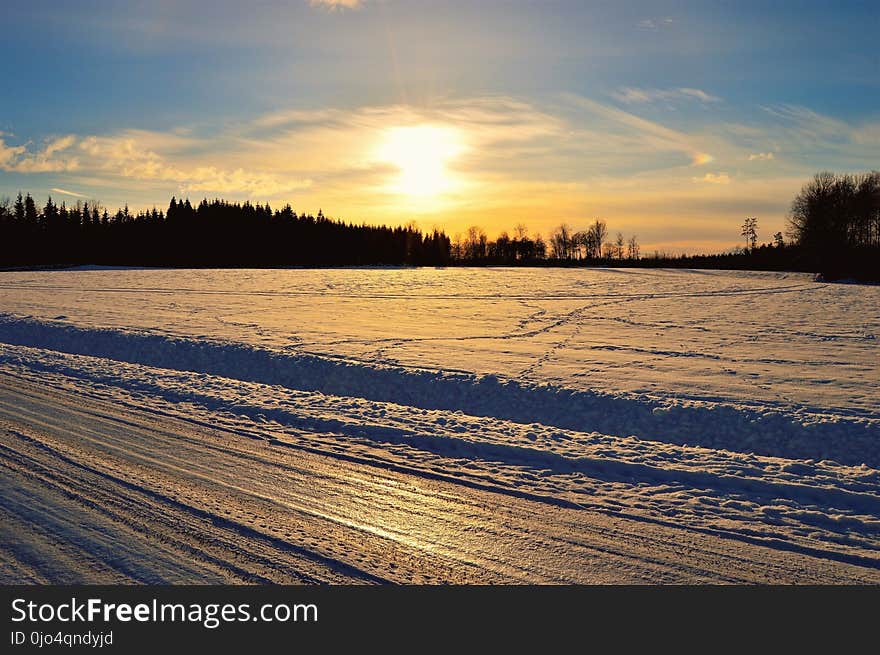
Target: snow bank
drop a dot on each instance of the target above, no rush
(797, 433)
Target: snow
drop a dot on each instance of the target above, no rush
(799, 432)
(735, 405)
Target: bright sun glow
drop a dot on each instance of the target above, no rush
(420, 153)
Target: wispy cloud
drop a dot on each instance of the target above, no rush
(334, 5)
(579, 156)
(633, 95)
(9, 155)
(806, 118)
(654, 24)
(132, 155)
(45, 159)
(67, 193)
(805, 134)
(58, 145)
(867, 135)
(713, 178)
(649, 135)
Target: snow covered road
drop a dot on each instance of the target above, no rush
(438, 426)
(99, 490)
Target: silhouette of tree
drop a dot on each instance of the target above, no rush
(540, 247)
(598, 233)
(750, 232)
(618, 246)
(834, 228)
(19, 209)
(835, 220)
(31, 218)
(475, 243)
(214, 233)
(561, 242)
(633, 249)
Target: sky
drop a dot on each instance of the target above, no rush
(672, 121)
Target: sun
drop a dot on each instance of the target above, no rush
(420, 153)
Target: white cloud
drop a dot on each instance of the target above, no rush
(654, 24)
(59, 144)
(633, 95)
(574, 154)
(131, 155)
(9, 155)
(713, 178)
(264, 185)
(333, 5)
(641, 135)
(699, 95)
(806, 135)
(65, 192)
(806, 118)
(20, 159)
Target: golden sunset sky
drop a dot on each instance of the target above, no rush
(672, 121)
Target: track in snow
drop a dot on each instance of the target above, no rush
(101, 491)
(605, 426)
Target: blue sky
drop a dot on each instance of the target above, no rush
(672, 121)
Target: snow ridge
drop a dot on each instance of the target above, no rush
(791, 432)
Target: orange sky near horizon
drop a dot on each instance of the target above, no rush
(668, 126)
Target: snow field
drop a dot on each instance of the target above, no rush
(739, 405)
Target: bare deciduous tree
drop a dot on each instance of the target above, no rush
(561, 242)
(475, 243)
(598, 232)
(633, 248)
(834, 212)
(618, 245)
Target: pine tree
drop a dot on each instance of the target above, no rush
(19, 209)
(30, 211)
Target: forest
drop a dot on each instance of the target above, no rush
(833, 229)
(212, 234)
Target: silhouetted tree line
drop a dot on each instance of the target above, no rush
(215, 233)
(834, 229)
(566, 247)
(776, 256)
(835, 219)
(476, 249)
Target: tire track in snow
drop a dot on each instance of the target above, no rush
(779, 431)
(326, 432)
(505, 534)
(406, 296)
(615, 549)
